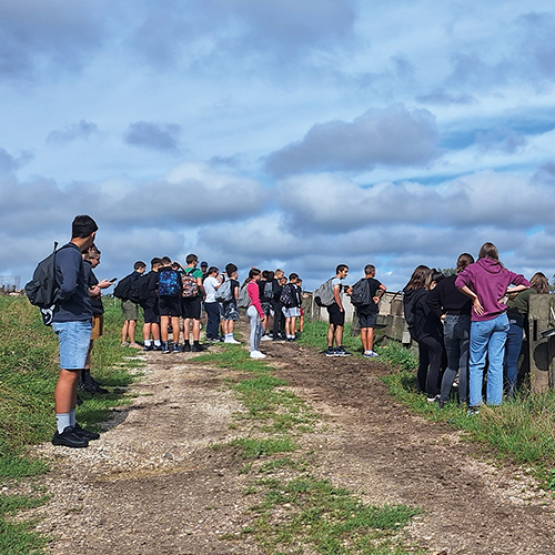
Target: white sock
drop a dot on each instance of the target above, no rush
(157, 342)
(147, 342)
(63, 421)
(72, 419)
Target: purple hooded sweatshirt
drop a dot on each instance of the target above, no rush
(489, 280)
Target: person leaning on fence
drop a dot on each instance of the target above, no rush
(486, 282)
(337, 314)
(72, 323)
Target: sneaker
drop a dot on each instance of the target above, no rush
(440, 404)
(186, 348)
(69, 438)
(176, 348)
(257, 354)
(370, 354)
(92, 388)
(157, 347)
(341, 352)
(232, 340)
(165, 348)
(432, 399)
(197, 348)
(472, 411)
(330, 352)
(147, 348)
(125, 344)
(135, 346)
(265, 337)
(85, 434)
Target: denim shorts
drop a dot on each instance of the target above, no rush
(74, 340)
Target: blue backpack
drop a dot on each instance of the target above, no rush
(169, 283)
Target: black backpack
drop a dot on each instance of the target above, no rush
(43, 289)
(361, 294)
(139, 291)
(288, 296)
(123, 288)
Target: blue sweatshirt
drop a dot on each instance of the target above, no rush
(73, 304)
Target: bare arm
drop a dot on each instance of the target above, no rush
(478, 308)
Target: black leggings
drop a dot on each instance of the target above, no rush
(431, 353)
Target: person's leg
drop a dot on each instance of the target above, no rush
(364, 339)
(277, 320)
(339, 336)
(496, 353)
(155, 329)
(254, 319)
(131, 331)
(452, 349)
(164, 323)
(435, 350)
(422, 371)
(175, 328)
(513, 347)
(196, 330)
(293, 326)
(370, 339)
(124, 332)
(213, 320)
(480, 333)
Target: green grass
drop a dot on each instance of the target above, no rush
(315, 335)
(29, 371)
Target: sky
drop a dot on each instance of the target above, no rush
(298, 135)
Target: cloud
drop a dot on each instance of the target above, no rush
(444, 98)
(35, 34)
(500, 139)
(337, 205)
(394, 136)
(82, 130)
(9, 163)
(156, 136)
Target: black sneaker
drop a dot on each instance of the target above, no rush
(341, 352)
(147, 348)
(165, 348)
(186, 347)
(197, 348)
(176, 348)
(92, 388)
(157, 347)
(69, 438)
(330, 352)
(85, 434)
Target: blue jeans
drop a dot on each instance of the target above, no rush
(512, 352)
(487, 338)
(456, 334)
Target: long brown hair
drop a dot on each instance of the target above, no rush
(463, 261)
(540, 283)
(418, 278)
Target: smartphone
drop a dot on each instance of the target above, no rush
(113, 279)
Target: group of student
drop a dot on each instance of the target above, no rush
(467, 324)
(173, 298)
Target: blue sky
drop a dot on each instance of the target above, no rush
(291, 134)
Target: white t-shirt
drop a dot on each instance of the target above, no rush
(210, 284)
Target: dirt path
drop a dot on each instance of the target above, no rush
(152, 486)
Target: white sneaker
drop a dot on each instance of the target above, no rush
(257, 354)
(265, 338)
(232, 340)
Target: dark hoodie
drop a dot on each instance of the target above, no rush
(489, 279)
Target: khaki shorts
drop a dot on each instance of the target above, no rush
(129, 310)
(98, 326)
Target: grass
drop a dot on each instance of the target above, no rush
(28, 374)
(300, 511)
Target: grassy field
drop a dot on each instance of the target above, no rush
(28, 373)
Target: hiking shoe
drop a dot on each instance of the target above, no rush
(186, 348)
(257, 355)
(197, 348)
(69, 438)
(341, 352)
(176, 348)
(85, 434)
(330, 352)
(165, 348)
